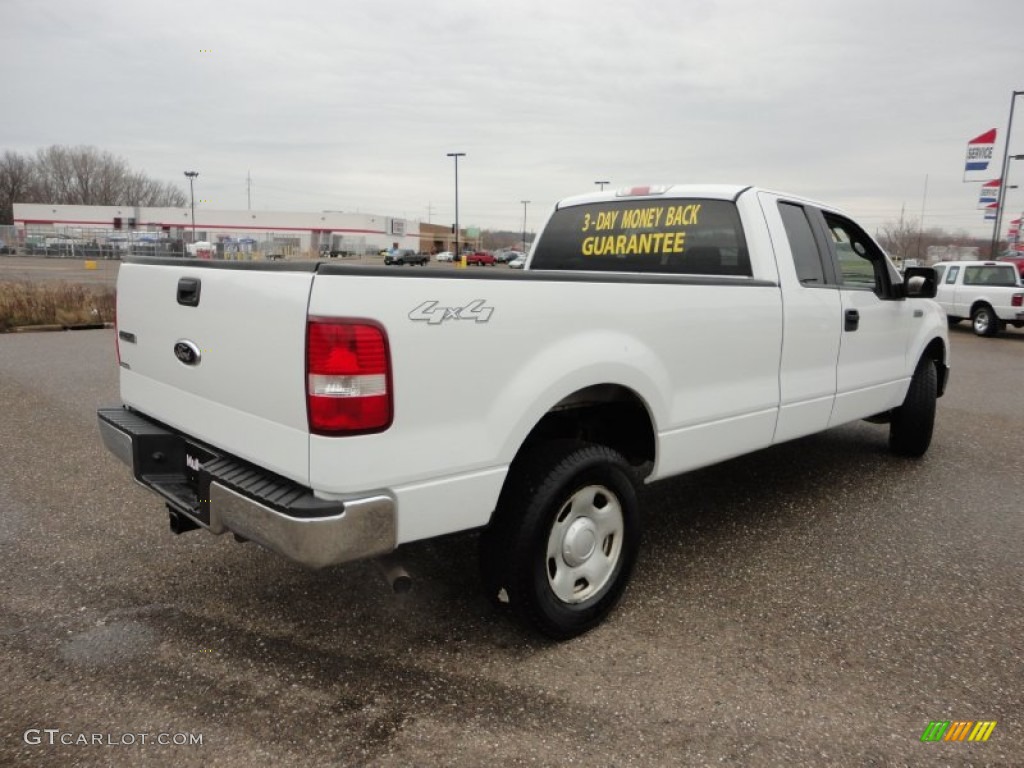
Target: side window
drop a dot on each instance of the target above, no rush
(953, 272)
(860, 262)
(940, 270)
(806, 257)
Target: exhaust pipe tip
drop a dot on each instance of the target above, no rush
(394, 574)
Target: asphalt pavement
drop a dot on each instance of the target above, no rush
(814, 604)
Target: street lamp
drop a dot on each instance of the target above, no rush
(525, 203)
(456, 155)
(192, 193)
(1003, 187)
(1003, 177)
(602, 184)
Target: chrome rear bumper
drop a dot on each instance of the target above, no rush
(222, 493)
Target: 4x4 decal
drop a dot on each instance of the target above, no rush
(431, 313)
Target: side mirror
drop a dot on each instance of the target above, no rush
(920, 283)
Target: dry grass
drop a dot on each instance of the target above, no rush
(25, 303)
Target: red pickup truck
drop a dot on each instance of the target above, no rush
(481, 259)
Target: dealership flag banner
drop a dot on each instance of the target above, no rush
(989, 193)
(990, 211)
(979, 154)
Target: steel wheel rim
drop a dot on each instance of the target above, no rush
(585, 544)
(981, 321)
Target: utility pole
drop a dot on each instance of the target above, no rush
(920, 225)
(456, 156)
(602, 184)
(525, 203)
(192, 193)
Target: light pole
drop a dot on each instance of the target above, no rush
(456, 155)
(192, 193)
(1001, 196)
(602, 184)
(525, 203)
(1002, 178)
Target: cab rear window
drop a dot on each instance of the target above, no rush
(677, 236)
(1005, 276)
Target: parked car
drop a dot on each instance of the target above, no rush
(445, 256)
(6, 249)
(406, 256)
(504, 257)
(628, 355)
(481, 259)
(518, 262)
(987, 292)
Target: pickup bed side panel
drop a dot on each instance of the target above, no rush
(468, 389)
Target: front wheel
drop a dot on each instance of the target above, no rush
(564, 538)
(910, 430)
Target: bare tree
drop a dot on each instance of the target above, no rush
(78, 176)
(901, 239)
(17, 180)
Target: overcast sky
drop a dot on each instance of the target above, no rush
(353, 106)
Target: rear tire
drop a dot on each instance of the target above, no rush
(562, 543)
(984, 321)
(910, 431)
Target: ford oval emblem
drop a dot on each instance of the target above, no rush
(187, 352)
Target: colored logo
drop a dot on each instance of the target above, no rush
(958, 730)
(979, 151)
(187, 352)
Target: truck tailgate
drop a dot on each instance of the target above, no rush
(244, 392)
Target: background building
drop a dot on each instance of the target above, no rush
(230, 233)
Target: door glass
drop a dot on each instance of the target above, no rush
(861, 262)
(806, 257)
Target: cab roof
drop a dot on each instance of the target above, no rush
(658, 192)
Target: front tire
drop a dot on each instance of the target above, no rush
(910, 431)
(562, 544)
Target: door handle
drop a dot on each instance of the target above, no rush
(188, 291)
(852, 320)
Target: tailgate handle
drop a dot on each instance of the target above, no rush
(188, 291)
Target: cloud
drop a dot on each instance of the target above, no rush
(350, 106)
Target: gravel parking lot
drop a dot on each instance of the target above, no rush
(814, 604)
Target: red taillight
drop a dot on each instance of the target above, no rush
(348, 377)
(1017, 299)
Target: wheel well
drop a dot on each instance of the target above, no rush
(607, 414)
(980, 303)
(936, 351)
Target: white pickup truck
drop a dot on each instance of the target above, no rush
(988, 292)
(332, 412)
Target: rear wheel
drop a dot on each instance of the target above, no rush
(564, 538)
(910, 430)
(984, 321)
